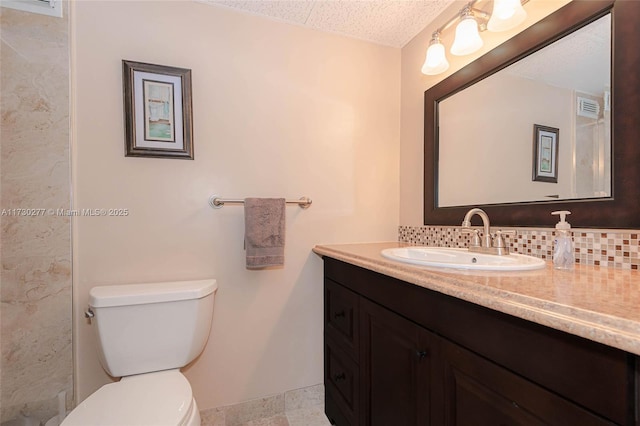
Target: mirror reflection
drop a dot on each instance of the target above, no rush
(537, 130)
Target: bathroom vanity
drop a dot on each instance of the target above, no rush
(407, 345)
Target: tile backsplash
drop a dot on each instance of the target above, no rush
(611, 248)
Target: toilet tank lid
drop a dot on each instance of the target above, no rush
(139, 294)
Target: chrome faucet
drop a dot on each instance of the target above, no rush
(486, 245)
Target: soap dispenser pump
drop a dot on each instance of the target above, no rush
(563, 253)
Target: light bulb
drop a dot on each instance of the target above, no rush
(507, 14)
(436, 59)
(468, 38)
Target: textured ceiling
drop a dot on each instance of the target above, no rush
(580, 61)
(387, 22)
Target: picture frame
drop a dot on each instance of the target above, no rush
(157, 111)
(545, 153)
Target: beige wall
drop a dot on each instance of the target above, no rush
(279, 110)
(414, 84)
(35, 313)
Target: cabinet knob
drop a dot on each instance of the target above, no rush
(340, 314)
(339, 377)
(421, 354)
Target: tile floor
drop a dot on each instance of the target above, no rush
(300, 407)
(313, 416)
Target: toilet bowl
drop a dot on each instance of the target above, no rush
(146, 333)
(153, 399)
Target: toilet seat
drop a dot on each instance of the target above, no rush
(153, 399)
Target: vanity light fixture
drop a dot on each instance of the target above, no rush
(436, 60)
(468, 38)
(506, 14)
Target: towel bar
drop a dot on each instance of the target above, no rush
(217, 202)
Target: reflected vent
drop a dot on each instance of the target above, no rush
(43, 7)
(588, 108)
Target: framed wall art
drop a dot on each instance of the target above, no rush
(545, 153)
(157, 111)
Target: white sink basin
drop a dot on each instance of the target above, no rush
(461, 258)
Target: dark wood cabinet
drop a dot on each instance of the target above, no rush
(342, 381)
(395, 362)
(341, 349)
(399, 354)
(478, 392)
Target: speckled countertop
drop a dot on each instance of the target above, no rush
(597, 303)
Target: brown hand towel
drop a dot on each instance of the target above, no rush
(264, 220)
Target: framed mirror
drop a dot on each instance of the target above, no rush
(607, 195)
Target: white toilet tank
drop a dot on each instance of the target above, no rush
(151, 327)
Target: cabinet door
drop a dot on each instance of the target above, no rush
(478, 392)
(395, 360)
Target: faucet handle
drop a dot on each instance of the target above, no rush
(475, 238)
(499, 240)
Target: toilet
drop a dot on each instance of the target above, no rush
(145, 334)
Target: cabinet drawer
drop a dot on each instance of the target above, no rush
(341, 316)
(341, 380)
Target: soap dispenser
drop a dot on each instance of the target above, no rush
(563, 253)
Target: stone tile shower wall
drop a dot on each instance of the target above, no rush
(611, 248)
(35, 289)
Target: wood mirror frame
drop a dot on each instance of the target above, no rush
(622, 209)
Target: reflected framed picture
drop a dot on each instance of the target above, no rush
(545, 153)
(157, 111)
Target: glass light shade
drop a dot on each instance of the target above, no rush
(436, 60)
(468, 38)
(507, 14)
